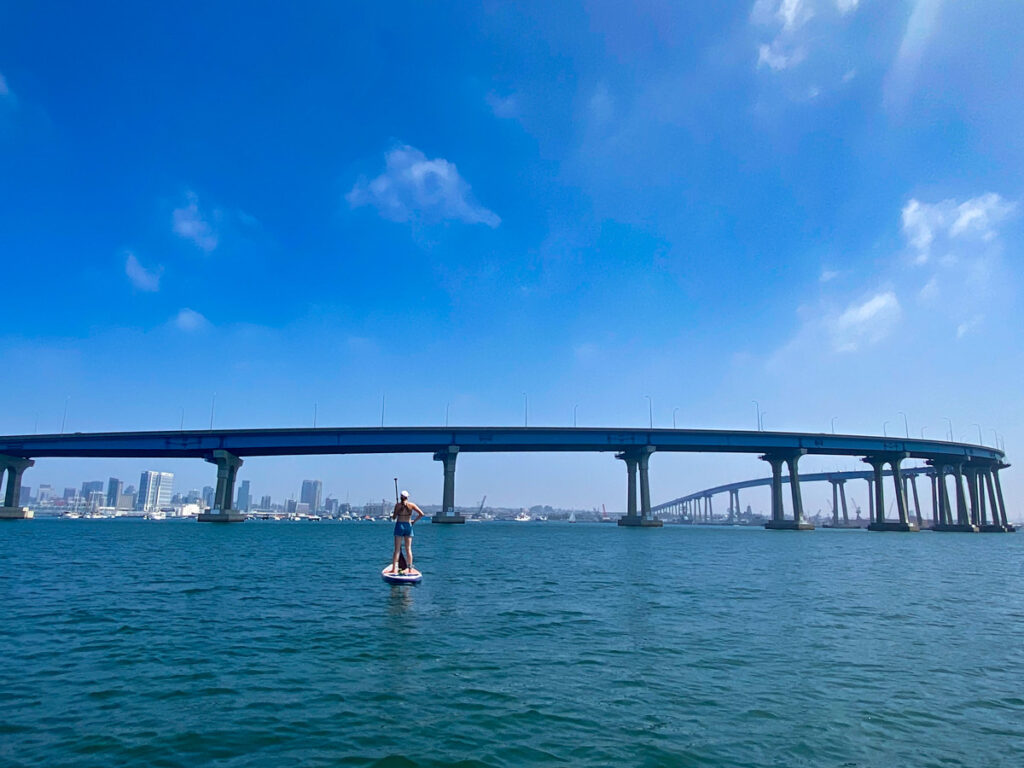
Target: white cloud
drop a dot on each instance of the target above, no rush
(921, 25)
(414, 187)
(798, 28)
(189, 320)
(928, 226)
(968, 326)
(189, 223)
(505, 107)
(930, 290)
(827, 275)
(866, 323)
(143, 279)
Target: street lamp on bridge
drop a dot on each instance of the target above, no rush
(906, 427)
(757, 406)
(674, 417)
(650, 410)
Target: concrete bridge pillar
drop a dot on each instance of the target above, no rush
(227, 471)
(987, 482)
(963, 522)
(999, 495)
(871, 500)
(835, 503)
(917, 502)
(447, 457)
(14, 467)
(709, 512)
(638, 458)
(842, 500)
(778, 521)
(936, 518)
(899, 487)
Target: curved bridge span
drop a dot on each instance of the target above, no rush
(227, 449)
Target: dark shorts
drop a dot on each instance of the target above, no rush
(403, 529)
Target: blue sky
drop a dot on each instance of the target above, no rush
(815, 204)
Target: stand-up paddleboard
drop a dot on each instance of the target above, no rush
(409, 576)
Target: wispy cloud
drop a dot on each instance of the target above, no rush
(828, 275)
(931, 226)
(143, 279)
(790, 32)
(413, 187)
(189, 320)
(921, 25)
(189, 223)
(505, 107)
(865, 323)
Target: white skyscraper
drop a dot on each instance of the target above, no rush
(155, 490)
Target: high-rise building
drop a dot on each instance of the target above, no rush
(244, 501)
(208, 496)
(114, 489)
(265, 502)
(155, 489)
(311, 490)
(89, 486)
(69, 494)
(45, 493)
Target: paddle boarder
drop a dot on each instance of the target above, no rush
(404, 521)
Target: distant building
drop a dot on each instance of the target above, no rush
(155, 490)
(244, 502)
(208, 496)
(311, 490)
(45, 493)
(126, 500)
(114, 489)
(91, 486)
(26, 494)
(96, 499)
(69, 494)
(265, 502)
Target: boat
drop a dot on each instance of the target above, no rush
(522, 517)
(572, 516)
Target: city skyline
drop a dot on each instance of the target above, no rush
(659, 214)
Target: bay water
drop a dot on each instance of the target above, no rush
(171, 643)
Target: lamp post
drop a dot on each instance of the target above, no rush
(315, 405)
(64, 418)
(674, 417)
(446, 407)
(980, 440)
(922, 433)
(906, 427)
(949, 421)
(885, 433)
(833, 424)
(577, 405)
(650, 410)
(213, 402)
(757, 406)
(995, 437)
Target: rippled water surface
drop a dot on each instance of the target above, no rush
(180, 644)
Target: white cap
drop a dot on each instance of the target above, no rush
(405, 494)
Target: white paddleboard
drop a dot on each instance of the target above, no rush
(411, 576)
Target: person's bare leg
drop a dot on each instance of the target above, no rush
(408, 552)
(394, 555)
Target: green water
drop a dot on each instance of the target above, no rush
(277, 644)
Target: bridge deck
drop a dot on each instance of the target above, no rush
(327, 440)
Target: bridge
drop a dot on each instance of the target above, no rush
(975, 468)
(697, 507)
